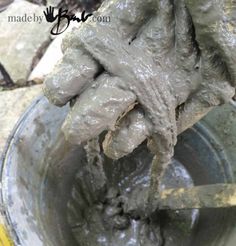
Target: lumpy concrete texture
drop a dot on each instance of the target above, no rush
(21, 42)
(151, 72)
(104, 205)
(41, 184)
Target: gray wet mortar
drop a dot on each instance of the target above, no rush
(201, 75)
(104, 207)
(148, 73)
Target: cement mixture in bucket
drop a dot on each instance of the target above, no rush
(59, 194)
(138, 81)
(107, 200)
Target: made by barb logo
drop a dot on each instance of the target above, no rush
(61, 18)
(62, 15)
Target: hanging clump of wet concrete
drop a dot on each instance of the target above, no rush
(152, 72)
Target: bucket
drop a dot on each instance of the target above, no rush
(41, 175)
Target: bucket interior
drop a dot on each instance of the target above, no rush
(46, 188)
